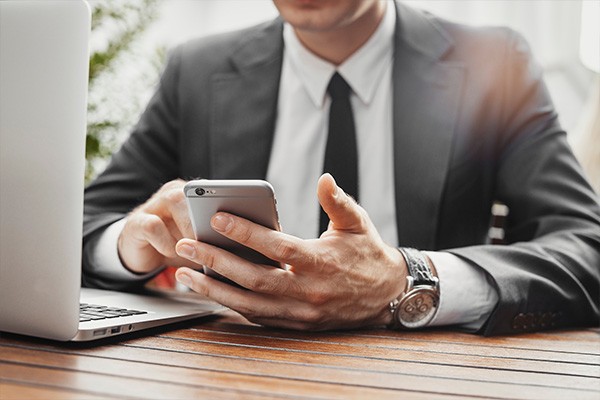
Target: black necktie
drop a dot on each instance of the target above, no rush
(341, 156)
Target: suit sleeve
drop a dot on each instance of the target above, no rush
(147, 160)
(548, 274)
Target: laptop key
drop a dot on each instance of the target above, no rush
(93, 312)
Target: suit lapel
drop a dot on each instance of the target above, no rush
(426, 97)
(244, 104)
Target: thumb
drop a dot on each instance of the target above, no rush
(343, 211)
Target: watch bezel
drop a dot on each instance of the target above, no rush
(420, 281)
(425, 316)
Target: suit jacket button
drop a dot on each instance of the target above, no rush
(545, 319)
(529, 321)
(555, 318)
(519, 322)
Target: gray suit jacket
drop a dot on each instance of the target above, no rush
(473, 123)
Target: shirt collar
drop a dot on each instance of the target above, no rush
(363, 70)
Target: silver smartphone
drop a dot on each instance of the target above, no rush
(253, 200)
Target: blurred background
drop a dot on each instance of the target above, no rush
(131, 38)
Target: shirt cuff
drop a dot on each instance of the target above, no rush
(467, 298)
(105, 255)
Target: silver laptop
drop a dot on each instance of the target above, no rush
(43, 89)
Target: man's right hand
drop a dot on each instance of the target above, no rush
(148, 239)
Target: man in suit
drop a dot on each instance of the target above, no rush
(448, 119)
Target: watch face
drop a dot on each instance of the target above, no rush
(417, 308)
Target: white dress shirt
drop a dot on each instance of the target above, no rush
(296, 163)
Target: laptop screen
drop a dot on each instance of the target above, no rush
(43, 75)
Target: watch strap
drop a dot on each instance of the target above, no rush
(420, 274)
(418, 267)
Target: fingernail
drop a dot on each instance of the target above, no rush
(337, 192)
(184, 279)
(185, 250)
(221, 223)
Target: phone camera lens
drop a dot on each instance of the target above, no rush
(200, 191)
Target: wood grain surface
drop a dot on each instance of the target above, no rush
(227, 357)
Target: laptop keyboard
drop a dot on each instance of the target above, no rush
(93, 312)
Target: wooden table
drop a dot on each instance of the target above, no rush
(226, 357)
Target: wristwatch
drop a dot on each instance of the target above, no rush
(417, 306)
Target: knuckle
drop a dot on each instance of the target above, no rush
(347, 201)
(206, 258)
(173, 195)
(318, 297)
(284, 249)
(186, 229)
(203, 290)
(174, 184)
(152, 225)
(311, 316)
(328, 261)
(261, 284)
(166, 249)
(157, 200)
(242, 233)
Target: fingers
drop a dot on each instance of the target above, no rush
(345, 214)
(169, 204)
(223, 293)
(275, 245)
(248, 303)
(255, 277)
(154, 231)
(256, 307)
(151, 231)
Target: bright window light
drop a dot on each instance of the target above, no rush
(589, 44)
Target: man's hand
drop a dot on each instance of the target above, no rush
(152, 230)
(344, 279)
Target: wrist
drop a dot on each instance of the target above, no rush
(397, 285)
(418, 303)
